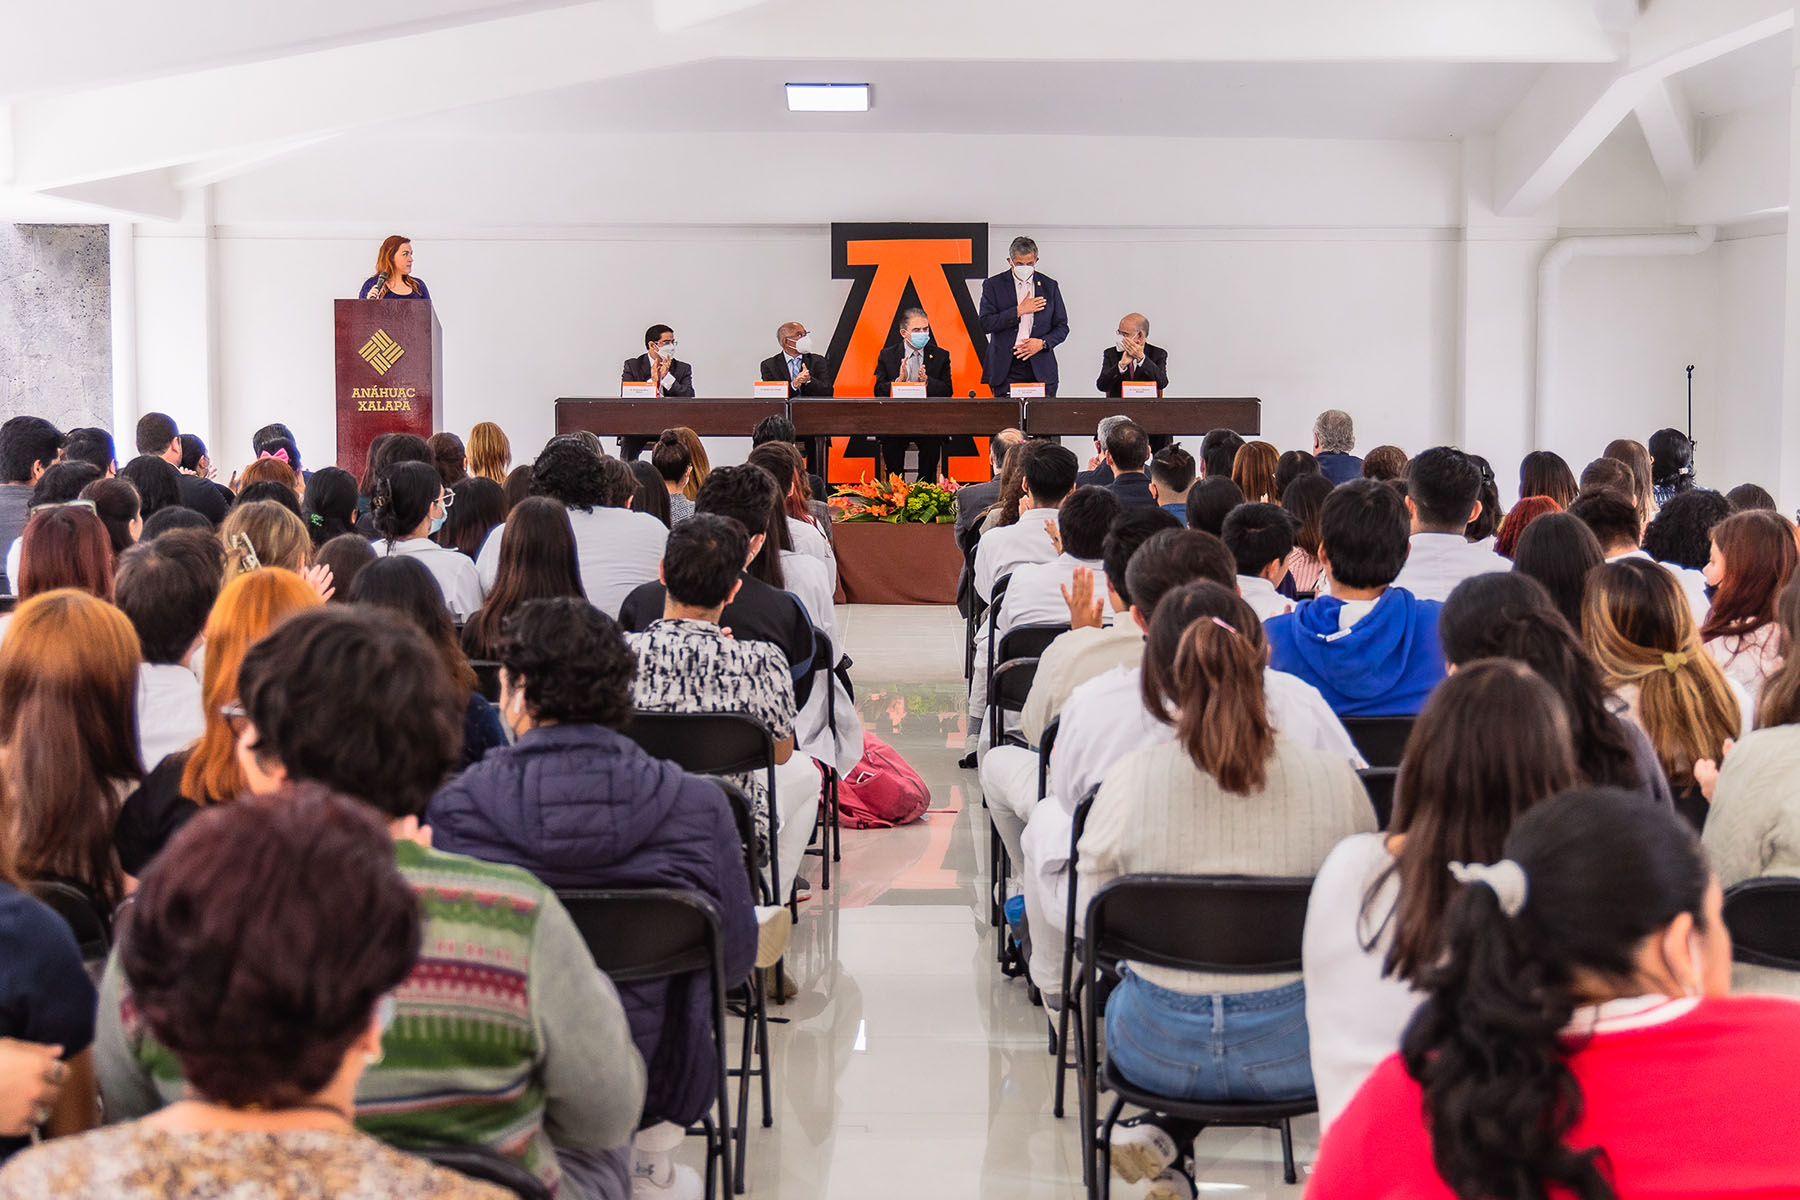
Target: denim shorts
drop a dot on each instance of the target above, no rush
(1242, 1046)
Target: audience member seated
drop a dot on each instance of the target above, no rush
(157, 481)
(262, 533)
(1260, 538)
(490, 451)
(477, 508)
(672, 463)
(93, 446)
(28, 448)
(618, 549)
(1127, 454)
(269, 469)
(579, 805)
(1614, 520)
(386, 450)
(1384, 463)
(1304, 500)
(1484, 527)
(1171, 478)
(1218, 453)
(452, 459)
(1610, 474)
(1558, 550)
(241, 964)
(68, 740)
(652, 494)
(59, 485)
(207, 772)
(1369, 647)
(65, 546)
(1098, 472)
(115, 502)
(1210, 500)
(1090, 648)
(1750, 495)
(198, 489)
(166, 588)
(344, 556)
(504, 1033)
(47, 1022)
(702, 465)
(537, 562)
(1443, 494)
(1636, 456)
(1546, 473)
(1005, 508)
(1290, 466)
(785, 466)
(1601, 919)
(1109, 716)
(1253, 470)
(1650, 655)
(1680, 538)
(405, 589)
(1047, 472)
(1334, 436)
(974, 498)
(1753, 558)
(168, 520)
(1493, 741)
(1512, 528)
(329, 504)
(1671, 465)
(687, 664)
(1229, 795)
(411, 503)
(277, 440)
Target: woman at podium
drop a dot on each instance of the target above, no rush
(392, 279)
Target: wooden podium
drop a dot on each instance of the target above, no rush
(390, 361)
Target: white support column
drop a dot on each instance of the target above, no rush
(1788, 433)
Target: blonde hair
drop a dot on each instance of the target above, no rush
(263, 533)
(1253, 470)
(490, 453)
(1638, 624)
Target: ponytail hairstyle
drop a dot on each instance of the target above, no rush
(404, 494)
(1203, 666)
(1508, 614)
(1601, 872)
(697, 458)
(1779, 703)
(1492, 741)
(1760, 555)
(784, 461)
(1638, 624)
(329, 505)
(1487, 522)
(1012, 483)
(670, 458)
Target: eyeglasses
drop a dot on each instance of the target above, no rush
(665, 345)
(447, 499)
(38, 508)
(237, 718)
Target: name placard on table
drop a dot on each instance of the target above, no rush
(908, 391)
(1026, 391)
(769, 389)
(637, 391)
(1137, 389)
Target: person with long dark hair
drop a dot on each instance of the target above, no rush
(1304, 499)
(537, 562)
(1559, 550)
(411, 504)
(329, 504)
(1547, 473)
(1753, 557)
(1576, 1038)
(1228, 795)
(478, 507)
(116, 504)
(1671, 464)
(1636, 455)
(385, 450)
(1493, 741)
(652, 495)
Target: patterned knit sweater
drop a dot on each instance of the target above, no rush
(502, 977)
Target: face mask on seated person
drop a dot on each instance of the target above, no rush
(918, 338)
(803, 345)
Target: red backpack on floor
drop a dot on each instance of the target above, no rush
(882, 790)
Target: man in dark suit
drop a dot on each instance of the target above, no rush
(658, 365)
(1023, 316)
(805, 373)
(914, 357)
(1127, 451)
(1133, 358)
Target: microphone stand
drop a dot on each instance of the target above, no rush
(1690, 415)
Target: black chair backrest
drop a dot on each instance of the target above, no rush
(8, 602)
(651, 933)
(1763, 916)
(76, 908)
(486, 1165)
(1229, 924)
(1046, 747)
(745, 817)
(1027, 641)
(1012, 683)
(704, 743)
(487, 676)
(1379, 783)
(1381, 740)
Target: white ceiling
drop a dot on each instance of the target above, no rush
(1408, 101)
(1756, 74)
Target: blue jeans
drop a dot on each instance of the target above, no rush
(1246, 1046)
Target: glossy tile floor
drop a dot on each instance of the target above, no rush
(908, 1067)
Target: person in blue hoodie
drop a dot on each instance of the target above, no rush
(580, 805)
(1369, 647)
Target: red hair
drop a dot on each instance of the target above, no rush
(66, 547)
(1759, 553)
(1523, 513)
(384, 258)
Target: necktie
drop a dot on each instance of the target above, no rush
(793, 369)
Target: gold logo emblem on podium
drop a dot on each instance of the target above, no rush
(381, 352)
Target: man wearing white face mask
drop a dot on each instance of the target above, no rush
(658, 365)
(806, 373)
(1023, 316)
(1133, 359)
(914, 358)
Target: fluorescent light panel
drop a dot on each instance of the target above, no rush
(828, 97)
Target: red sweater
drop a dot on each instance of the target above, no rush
(1689, 1099)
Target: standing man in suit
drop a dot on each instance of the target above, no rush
(1023, 316)
(806, 374)
(914, 357)
(658, 365)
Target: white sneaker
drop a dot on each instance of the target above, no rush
(681, 1182)
(774, 926)
(1141, 1150)
(1172, 1184)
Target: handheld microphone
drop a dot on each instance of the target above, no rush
(380, 288)
(971, 393)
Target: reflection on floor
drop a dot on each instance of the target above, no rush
(908, 1067)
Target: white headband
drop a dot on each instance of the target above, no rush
(1505, 878)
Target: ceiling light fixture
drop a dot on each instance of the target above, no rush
(828, 97)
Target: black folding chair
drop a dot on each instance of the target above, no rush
(714, 744)
(76, 907)
(1073, 986)
(486, 1165)
(1012, 666)
(827, 823)
(752, 996)
(1379, 783)
(487, 676)
(657, 933)
(1763, 916)
(1046, 745)
(1380, 740)
(1221, 924)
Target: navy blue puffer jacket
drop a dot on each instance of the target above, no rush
(581, 806)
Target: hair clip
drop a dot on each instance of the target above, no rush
(241, 543)
(1225, 625)
(280, 455)
(1506, 879)
(1673, 661)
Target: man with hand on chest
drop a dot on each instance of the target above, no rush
(1023, 315)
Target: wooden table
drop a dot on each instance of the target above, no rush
(1166, 414)
(734, 417)
(823, 419)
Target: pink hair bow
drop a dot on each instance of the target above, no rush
(280, 455)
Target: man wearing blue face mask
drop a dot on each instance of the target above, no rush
(914, 358)
(1023, 316)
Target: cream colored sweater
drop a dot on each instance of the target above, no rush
(1159, 813)
(1753, 829)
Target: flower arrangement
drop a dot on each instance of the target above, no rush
(894, 501)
